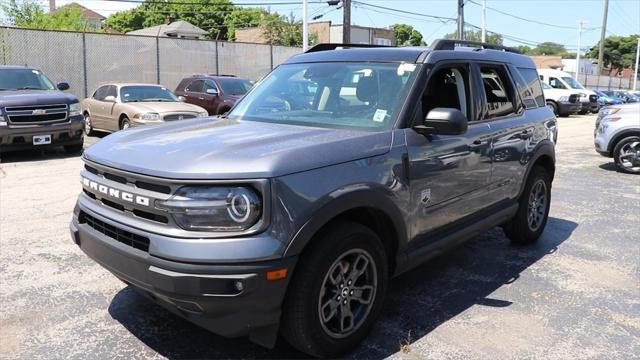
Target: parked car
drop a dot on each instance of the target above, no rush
(118, 106)
(563, 102)
(617, 135)
(604, 99)
(561, 80)
(216, 93)
(36, 114)
(290, 218)
(625, 96)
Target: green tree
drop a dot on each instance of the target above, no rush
(619, 52)
(476, 35)
(280, 30)
(549, 48)
(242, 18)
(406, 35)
(29, 14)
(524, 49)
(23, 13)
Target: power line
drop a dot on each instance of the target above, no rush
(441, 18)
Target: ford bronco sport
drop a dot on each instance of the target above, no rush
(36, 114)
(290, 217)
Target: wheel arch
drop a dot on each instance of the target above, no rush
(619, 136)
(371, 209)
(545, 156)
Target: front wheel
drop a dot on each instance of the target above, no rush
(125, 123)
(626, 155)
(533, 210)
(337, 291)
(88, 126)
(551, 105)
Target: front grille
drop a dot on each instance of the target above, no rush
(172, 117)
(36, 114)
(120, 235)
(574, 98)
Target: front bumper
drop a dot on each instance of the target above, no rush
(568, 107)
(205, 294)
(15, 138)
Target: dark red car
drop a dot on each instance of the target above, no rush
(216, 93)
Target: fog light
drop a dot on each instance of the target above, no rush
(239, 285)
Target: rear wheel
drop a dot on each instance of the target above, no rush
(552, 105)
(533, 210)
(337, 291)
(626, 155)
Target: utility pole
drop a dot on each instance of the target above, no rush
(305, 26)
(484, 20)
(635, 75)
(580, 23)
(602, 34)
(346, 21)
(52, 5)
(460, 19)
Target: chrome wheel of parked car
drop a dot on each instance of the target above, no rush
(347, 293)
(537, 206)
(88, 127)
(627, 155)
(125, 123)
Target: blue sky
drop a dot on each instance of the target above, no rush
(624, 16)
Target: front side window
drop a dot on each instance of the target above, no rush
(209, 85)
(137, 93)
(196, 86)
(111, 91)
(499, 95)
(101, 93)
(556, 83)
(447, 88)
(573, 83)
(365, 96)
(24, 79)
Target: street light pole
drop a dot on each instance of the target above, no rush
(602, 34)
(635, 77)
(578, 51)
(346, 21)
(484, 20)
(460, 19)
(305, 26)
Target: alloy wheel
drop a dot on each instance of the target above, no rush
(87, 124)
(537, 205)
(347, 293)
(629, 156)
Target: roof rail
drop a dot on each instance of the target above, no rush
(332, 46)
(450, 44)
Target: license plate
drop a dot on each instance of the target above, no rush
(42, 139)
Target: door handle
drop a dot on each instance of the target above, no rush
(477, 144)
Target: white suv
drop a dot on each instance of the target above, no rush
(617, 135)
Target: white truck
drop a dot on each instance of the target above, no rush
(563, 102)
(558, 79)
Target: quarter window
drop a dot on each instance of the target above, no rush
(498, 92)
(530, 77)
(196, 86)
(209, 85)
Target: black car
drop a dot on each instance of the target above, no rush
(35, 113)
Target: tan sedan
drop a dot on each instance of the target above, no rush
(114, 107)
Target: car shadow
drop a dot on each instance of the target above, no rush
(610, 166)
(417, 302)
(36, 155)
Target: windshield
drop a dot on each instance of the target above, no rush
(146, 93)
(364, 96)
(19, 79)
(573, 83)
(232, 86)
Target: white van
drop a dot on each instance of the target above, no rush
(561, 80)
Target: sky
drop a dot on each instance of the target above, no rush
(564, 15)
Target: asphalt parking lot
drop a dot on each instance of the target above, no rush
(575, 294)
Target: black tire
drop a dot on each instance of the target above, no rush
(553, 106)
(302, 325)
(88, 126)
(125, 123)
(528, 223)
(75, 148)
(629, 165)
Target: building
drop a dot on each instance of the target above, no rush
(587, 66)
(91, 18)
(177, 29)
(547, 61)
(328, 33)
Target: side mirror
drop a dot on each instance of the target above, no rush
(212, 92)
(110, 98)
(182, 98)
(443, 121)
(62, 86)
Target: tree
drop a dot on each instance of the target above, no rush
(406, 35)
(242, 18)
(524, 49)
(280, 30)
(476, 35)
(619, 52)
(23, 13)
(549, 48)
(29, 14)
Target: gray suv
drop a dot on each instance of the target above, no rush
(290, 215)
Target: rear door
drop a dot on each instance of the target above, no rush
(448, 174)
(505, 112)
(193, 92)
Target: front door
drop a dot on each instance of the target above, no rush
(448, 174)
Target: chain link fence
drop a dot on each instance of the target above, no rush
(604, 82)
(86, 60)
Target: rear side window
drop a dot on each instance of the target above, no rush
(498, 91)
(196, 86)
(534, 88)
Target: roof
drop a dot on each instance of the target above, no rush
(86, 12)
(411, 54)
(176, 28)
(15, 67)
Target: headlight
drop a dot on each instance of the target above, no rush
(563, 98)
(147, 116)
(205, 208)
(609, 111)
(203, 114)
(74, 109)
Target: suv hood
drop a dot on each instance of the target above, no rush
(34, 97)
(231, 149)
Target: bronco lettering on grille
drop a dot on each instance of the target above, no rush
(123, 195)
